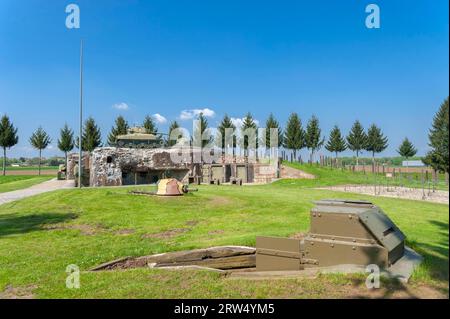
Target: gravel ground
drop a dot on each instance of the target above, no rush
(437, 196)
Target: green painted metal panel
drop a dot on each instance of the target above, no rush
(382, 227)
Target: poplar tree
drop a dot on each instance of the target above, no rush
(272, 123)
(294, 135)
(173, 126)
(438, 156)
(201, 128)
(120, 128)
(226, 125)
(8, 137)
(92, 137)
(313, 138)
(66, 142)
(376, 142)
(248, 124)
(149, 125)
(336, 142)
(357, 139)
(407, 149)
(40, 140)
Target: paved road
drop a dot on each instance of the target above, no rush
(44, 187)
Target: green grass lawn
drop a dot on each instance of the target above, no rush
(41, 235)
(31, 168)
(327, 176)
(10, 183)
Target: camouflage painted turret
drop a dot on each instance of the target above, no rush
(137, 137)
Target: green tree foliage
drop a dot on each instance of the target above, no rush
(357, 139)
(272, 123)
(407, 149)
(438, 157)
(91, 137)
(294, 135)
(173, 126)
(66, 142)
(248, 126)
(313, 138)
(120, 128)
(201, 131)
(225, 124)
(149, 125)
(336, 142)
(376, 141)
(40, 140)
(8, 137)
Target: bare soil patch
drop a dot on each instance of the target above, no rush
(32, 172)
(391, 289)
(12, 292)
(219, 201)
(167, 234)
(124, 232)
(192, 222)
(85, 229)
(437, 196)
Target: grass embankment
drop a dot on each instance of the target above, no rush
(40, 236)
(327, 176)
(10, 183)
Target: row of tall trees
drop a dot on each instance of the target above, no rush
(40, 139)
(295, 137)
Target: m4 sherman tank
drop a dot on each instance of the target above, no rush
(137, 137)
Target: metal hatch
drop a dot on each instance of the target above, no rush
(382, 228)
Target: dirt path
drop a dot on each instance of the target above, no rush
(289, 172)
(44, 187)
(32, 172)
(395, 191)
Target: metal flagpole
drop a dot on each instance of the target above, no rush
(81, 116)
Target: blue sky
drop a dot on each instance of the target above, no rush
(311, 57)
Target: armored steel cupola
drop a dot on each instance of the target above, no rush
(361, 231)
(341, 232)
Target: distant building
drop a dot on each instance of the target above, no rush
(413, 164)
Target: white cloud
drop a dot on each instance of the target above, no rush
(238, 122)
(190, 114)
(121, 106)
(159, 118)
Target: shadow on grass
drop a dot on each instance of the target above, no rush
(388, 287)
(11, 224)
(435, 256)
